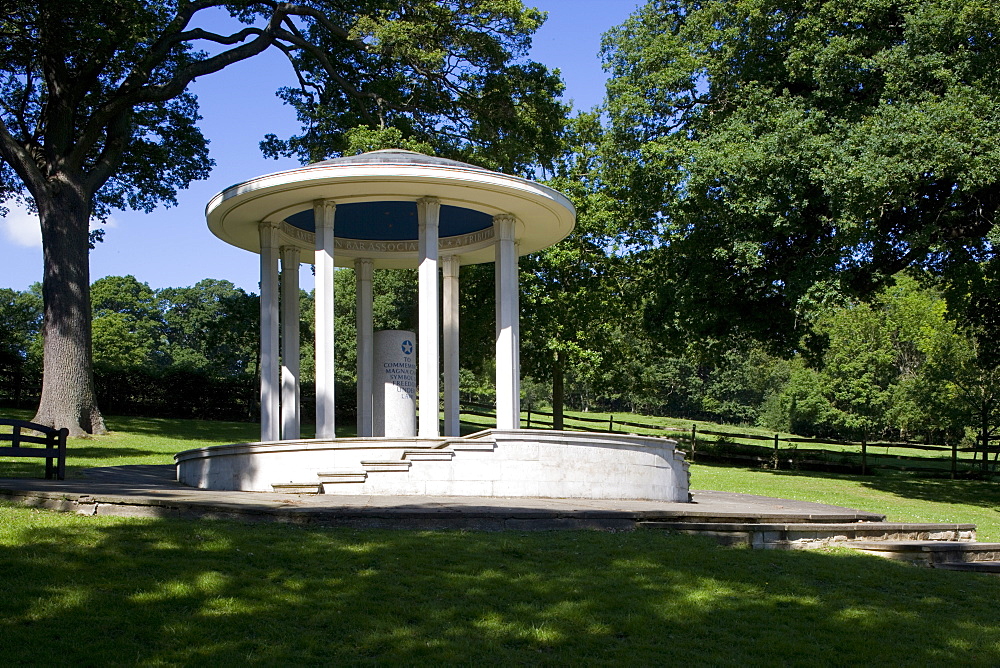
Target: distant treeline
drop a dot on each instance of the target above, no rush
(895, 368)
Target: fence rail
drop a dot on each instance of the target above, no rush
(780, 451)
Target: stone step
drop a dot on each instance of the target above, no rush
(436, 455)
(373, 466)
(297, 487)
(483, 446)
(929, 552)
(973, 566)
(344, 475)
(810, 535)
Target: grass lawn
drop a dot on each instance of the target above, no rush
(139, 440)
(112, 591)
(106, 590)
(901, 497)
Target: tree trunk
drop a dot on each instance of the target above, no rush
(558, 392)
(68, 398)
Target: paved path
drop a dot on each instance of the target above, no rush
(151, 491)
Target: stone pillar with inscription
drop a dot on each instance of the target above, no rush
(395, 388)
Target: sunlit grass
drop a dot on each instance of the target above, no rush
(140, 440)
(900, 497)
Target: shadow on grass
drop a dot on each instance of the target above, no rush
(169, 592)
(23, 468)
(972, 492)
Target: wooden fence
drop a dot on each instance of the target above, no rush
(777, 451)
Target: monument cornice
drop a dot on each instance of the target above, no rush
(369, 248)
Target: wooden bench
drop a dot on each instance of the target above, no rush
(54, 441)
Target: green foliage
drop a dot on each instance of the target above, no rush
(858, 367)
(20, 322)
(768, 151)
(739, 383)
(86, 83)
(127, 323)
(451, 77)
(363, 139)
(800, 406)
(211, 326)
(572, 298)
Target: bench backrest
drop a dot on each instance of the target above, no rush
(18, 427)
(54, 441)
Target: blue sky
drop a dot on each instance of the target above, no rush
(172, 247)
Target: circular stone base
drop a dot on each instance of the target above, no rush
(515, 463)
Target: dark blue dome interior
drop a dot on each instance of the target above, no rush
(392, 221)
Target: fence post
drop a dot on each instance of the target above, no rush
(954, 459)
(775, 452)
(529, 419)
(694, 440)
(611, 423)
(864, 456)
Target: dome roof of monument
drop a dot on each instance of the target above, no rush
(376, 195)
(396, 156)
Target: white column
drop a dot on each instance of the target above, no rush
(290, 349)
(449, 270)
(507, 344)
(428, 209)
(323, 213)
(269, 331)
(363, 270)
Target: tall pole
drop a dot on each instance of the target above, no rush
(324, 212)
(428, 385)
(449, 270)
(290, 349)
(363, 271)
(508, 324)
(269, 369)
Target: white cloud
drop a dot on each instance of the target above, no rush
(20, 227)
(110, 223)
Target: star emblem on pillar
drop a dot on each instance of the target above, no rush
(407, 347)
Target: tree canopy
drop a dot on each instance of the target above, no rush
(775, 153)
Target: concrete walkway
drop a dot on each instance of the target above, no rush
(151, 491)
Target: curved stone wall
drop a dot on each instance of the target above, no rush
(516, 463)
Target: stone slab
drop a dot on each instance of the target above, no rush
(151, 491)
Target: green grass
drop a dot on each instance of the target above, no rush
(139, 440)
(105, 590)
(113, 591)
(900, 497)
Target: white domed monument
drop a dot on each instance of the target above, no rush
(395, 209)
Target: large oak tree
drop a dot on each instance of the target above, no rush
(94, 114)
